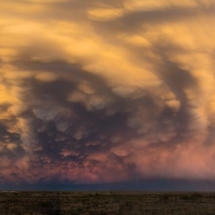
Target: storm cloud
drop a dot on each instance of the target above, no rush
(106, 91)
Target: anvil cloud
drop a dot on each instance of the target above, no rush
(106, 91)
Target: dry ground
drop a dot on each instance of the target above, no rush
(106, 203)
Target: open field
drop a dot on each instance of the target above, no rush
(106, 203)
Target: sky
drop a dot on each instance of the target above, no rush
(105, 92)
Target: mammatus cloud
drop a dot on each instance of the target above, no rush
(107, 91)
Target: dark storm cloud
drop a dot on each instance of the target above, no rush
(108, 91)
(63, 130)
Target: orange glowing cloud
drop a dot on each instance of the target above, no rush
(106, 91)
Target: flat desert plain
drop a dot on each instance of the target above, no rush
(106, 203)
